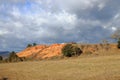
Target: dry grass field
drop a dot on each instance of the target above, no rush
(105, 67)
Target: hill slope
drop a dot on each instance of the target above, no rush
(42, 51)
(48, 51)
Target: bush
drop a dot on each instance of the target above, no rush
(118, 44)
(13, 57)
(1, 58)
(34, 44)
(29, 45)
(69, 50)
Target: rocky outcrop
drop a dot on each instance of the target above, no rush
(31, 51)
(42, 51)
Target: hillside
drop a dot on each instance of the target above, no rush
(98, 48)
(42, 51)
(48, 51)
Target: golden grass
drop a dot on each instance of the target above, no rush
(105, 67)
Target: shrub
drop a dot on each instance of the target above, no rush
(118, 45)
(29, 45)
(13, 57)
(69, 50)
(1, 58)
(34, 44)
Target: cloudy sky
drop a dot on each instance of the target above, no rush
(56, 21)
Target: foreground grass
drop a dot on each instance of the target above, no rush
(82, 68)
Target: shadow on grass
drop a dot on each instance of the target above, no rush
(4, 78)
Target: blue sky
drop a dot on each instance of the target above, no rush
(56, 21)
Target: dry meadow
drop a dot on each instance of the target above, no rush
(104, 67)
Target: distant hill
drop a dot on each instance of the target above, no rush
(4, 53)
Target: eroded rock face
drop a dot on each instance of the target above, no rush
(52, 50)
(42, 51)
(30, 51)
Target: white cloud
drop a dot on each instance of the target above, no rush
(67, 20)
(101, 6)
(3, 32)
(15, 12)
(78, 4)
(12, 1)
(114, 28)
(49, 21)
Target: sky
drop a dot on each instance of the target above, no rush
(56, 21)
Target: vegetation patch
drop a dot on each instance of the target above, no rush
(69, 50)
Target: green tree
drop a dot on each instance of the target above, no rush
(69, 50)
(1, 58)
(34, 44)
(29, 45)
(13, 57)
(118, 45)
